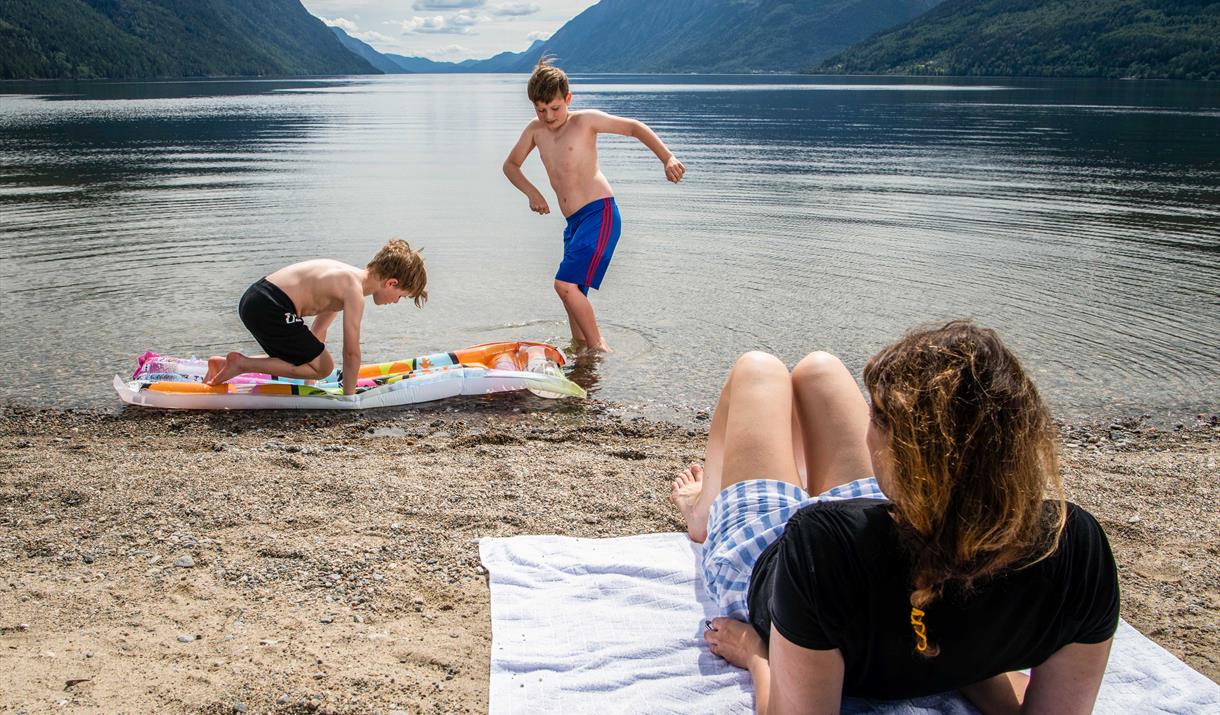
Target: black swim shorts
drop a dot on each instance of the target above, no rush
(271, 317)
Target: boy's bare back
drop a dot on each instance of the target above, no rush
(320, 286)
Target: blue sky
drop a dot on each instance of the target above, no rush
(448, 29)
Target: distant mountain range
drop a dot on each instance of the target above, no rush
(1173, 39)
(700, 36)
(390, 63)
(207, 38)
(82, 39)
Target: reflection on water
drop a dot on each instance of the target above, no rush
(1078, 217)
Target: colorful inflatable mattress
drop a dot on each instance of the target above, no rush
(177, 383)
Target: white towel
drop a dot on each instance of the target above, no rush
(616, 626)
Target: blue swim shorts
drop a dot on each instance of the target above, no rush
(588, 243)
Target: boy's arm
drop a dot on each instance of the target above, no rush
(610, 124)
(321, 323)
(512, 169)
(353, 313)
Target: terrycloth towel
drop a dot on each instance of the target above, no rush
(616, 626)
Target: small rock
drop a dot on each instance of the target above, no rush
(358, 618)
(319, 675)
(88, 654)
(186, 638)
(184, 562)
(87, 558)
(282, 700)
(418, 601)
(1134, 520)
(327, 619)
(239, 707)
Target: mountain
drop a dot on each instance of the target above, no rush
(503, 62)
(83, 39)
(1171, 39)
(422, 64)
(699, 36)
(717, 35)
(367, 53)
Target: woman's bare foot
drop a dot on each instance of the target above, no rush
(687, 487)
(226, 368)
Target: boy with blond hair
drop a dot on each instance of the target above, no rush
(274, 308)
(567, 145)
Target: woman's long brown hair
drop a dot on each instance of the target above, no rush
(972, 457)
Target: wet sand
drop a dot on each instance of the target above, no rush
(210, 562)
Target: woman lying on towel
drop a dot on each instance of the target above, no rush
(950, 568)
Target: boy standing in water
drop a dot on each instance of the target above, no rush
(567, 145)
(274, 308)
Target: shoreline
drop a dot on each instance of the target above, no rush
(197, 561)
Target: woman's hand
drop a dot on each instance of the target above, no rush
(736, 642)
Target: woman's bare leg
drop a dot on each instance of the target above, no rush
(833, 418)
(750, 438)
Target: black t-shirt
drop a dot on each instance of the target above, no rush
(839, 578)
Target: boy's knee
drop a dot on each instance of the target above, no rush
(323, 366)
(565, 288)
(816, 365)
(759, 363)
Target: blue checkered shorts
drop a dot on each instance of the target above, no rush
(745, 519)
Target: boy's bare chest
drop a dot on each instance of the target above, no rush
(571, 149)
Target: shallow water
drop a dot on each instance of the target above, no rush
(1080, 218)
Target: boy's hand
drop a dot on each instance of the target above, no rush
(538, 205)
(674, 170)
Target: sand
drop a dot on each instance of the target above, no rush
(288, 562)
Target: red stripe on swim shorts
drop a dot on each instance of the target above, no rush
(602, 238)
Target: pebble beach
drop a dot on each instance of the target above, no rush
(307, 562)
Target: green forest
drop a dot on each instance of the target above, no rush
(1140, 39)
(85, 39)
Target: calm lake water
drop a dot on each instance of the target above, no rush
(1079, 218)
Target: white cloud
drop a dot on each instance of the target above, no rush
(450, 52)
(515, 9)
(461, 22)
(371, 37)
(433, 5)
(433, 25)
(538, 35)
(467, 18)
(342, 23)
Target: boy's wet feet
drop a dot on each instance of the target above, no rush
(228, 368)
(687, 487)
(216, 363)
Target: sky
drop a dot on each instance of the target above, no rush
(449, 30)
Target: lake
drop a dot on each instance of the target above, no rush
(1080, 218)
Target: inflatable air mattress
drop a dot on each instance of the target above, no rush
(177, 383)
